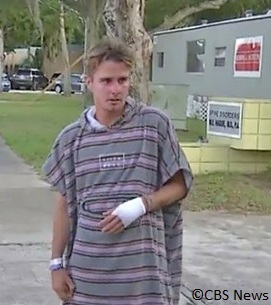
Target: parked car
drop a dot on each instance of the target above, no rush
(77, 83)
(29, 78)
(6, 85)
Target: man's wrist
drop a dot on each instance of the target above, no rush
(148, 203)
(130, 210)
(56, 264)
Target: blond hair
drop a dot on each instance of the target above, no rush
(109, 49)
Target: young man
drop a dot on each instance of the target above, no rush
(120, 173)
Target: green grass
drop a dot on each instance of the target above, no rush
(30, 125)
(195, 129)
(234, 192)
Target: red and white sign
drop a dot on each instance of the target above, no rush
(248, 57)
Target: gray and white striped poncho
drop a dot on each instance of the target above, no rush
(96, 170)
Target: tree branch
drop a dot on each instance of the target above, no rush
(34, 9)
(80, 6)
(29, 6)
(178, 17)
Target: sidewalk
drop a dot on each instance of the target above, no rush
(25, 233)
(221, 252)
(228, 252)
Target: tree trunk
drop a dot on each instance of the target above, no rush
(65, 52)
(124, 19)
(1, 57)
(33, 7)
(95, 8)
(87, 97)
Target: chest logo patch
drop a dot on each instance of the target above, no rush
(111, 161)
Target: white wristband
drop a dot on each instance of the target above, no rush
(56, 263)
(130, 210)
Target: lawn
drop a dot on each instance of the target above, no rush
(30, 123)
(195, 129)
(30, 126)
(234, 192)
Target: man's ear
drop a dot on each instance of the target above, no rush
(89, 82)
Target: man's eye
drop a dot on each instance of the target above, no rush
(123, 80)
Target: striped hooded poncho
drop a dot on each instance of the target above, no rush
(97, 168)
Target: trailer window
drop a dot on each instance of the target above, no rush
(195, 54)
(160, 59)
(220, 57)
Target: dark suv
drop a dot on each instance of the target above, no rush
(28, 78)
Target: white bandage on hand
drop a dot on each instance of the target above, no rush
(130, 210)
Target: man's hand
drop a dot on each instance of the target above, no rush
(62, 284)
(111, 223)
(122, 216)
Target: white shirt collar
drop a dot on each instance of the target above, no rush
(91, 118)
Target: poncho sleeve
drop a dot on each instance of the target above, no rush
(172, 159)
(59, 169)
(54, 166)
(171, 156)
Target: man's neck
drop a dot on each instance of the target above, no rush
(108, 119)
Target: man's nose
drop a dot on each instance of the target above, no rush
(115, 87)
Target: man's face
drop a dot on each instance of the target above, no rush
(110, 86)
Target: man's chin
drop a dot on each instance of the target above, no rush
(116, 105)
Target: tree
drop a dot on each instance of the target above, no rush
(19, 29)
(1, 57)
(91, 12)
(234, 9)
(65, 51)
(5, 9)
(46, 14)
(34, 9)
(124, 19)
(186, 10)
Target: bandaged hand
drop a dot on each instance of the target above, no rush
(121, 217)
(130, 210)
